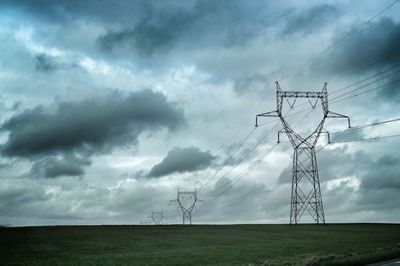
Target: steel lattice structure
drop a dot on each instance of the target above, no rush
(185, 207)
(157, 217)
(306, 190)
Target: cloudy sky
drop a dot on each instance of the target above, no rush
(107, 107)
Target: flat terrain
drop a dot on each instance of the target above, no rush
(334, 244)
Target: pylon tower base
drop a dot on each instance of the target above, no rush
(306, 190)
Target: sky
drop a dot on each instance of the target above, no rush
(108, 107)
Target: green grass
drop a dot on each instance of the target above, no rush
(335, 244)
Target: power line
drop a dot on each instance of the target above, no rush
(310, 61)
(240, 145)
(385, 58)
(367, 91)
(380, 60)
(246, 196)
(365, 85)
(337, 99)
(368, 78)
(239, 177)
(368, 139)
(369, 125)
(359, 82)
(320, 54)
(242, 159)
(357, 140)
(313, 59)
(364, 139)
(372, 124)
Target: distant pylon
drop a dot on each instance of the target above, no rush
(157, 217)
(306, 190)
(186, 207)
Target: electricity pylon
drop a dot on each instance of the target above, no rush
(186, 207)
(306, 190)
(156, 217)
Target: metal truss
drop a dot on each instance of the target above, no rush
(306, 191)
(186, 207)
(157, 217)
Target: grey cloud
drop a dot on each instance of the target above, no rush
(63, 11)
(51, 167)
(328, 162)
(380, 185)
(251, 83)
(379, 179)
(44, 63)
(92, 125)
(47, 63)
(347, 135)
(144, 38)
(384, 174)
(383, 37)
(391, 92)
(180, 160)
(310, 20)
(18, 194)
(198, 24)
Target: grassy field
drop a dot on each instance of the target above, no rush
(336, 244)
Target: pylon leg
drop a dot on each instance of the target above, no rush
(306, 191)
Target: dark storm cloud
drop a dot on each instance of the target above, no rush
(374, 48)
(144, 38)
(46, 63)
(51, 167)
(384, 174)
(19, 194)
(153, 27)
(310, 20)
(392, 91)
(373, 42)
(92, 125)
(380, 185)
(180, 160)
(201, 24)
(62, 11)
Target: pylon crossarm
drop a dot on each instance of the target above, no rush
(326, 132)
(279, 134)
(291, 104)
(337, 115)
(267, 114)
(186, 192)
(313, 104)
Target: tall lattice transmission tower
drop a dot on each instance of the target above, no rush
(306, 190)
(157, 217)
(187, 201)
